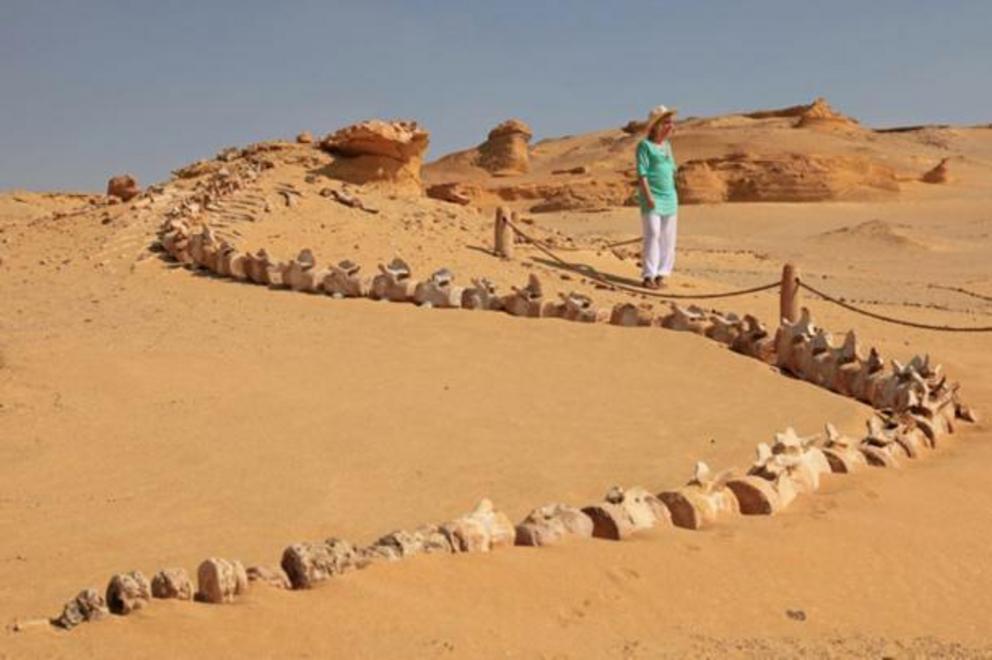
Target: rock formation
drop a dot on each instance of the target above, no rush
(819, 114)
(123, 187)
(378, 152)
(505, 150)
(791, 177)
(938, 174)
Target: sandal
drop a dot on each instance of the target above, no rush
(649, 283)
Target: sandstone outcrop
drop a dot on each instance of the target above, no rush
(789, 177)
(819, 114)
(220, 580)
(127, 592)
(939, 174)
(377, 151)
(124, 187)
(505, 151)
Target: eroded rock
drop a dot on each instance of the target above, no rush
(505, 150)
(377, 151)
(88, 605)
(124, 187)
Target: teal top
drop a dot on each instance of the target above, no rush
(657, 163)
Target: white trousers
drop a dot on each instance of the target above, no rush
(658, 255)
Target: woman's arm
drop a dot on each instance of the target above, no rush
(642, 184)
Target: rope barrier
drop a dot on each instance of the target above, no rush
(957, 289)
(890, 319)
(597, 276)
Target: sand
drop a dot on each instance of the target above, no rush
(152, 417)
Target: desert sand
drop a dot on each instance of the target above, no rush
(152, 416)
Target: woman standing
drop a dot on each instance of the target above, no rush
(657, 196)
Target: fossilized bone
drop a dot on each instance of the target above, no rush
(439, 291)
(344, 281)
(703, 500)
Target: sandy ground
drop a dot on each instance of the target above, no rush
(151, 418)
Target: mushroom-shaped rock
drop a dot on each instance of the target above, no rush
(88, 605)
(308, 563)
(505, 150)
(439, 291)
(482, 530)
(172, 583)
(220, 580)
(552, 524)
(624, 512)
(127, 592)
(345, 281)
(702, 501)
(393, 282)
(272, 576)
(378, 151)
(124, 187)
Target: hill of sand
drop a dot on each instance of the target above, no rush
(151, 416)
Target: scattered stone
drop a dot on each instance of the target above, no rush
(123, 187)
(220, 580)
(128, 592)
(172, 583)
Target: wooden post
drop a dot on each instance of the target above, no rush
(503, 234)
(789, 293)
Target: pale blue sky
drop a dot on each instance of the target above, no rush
(89, 89)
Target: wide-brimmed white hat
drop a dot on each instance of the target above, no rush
(658, 113)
